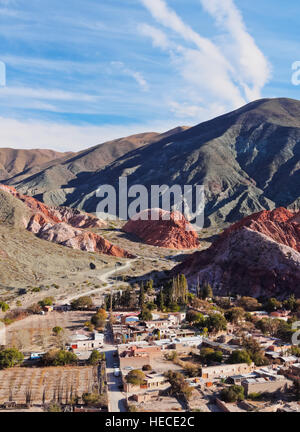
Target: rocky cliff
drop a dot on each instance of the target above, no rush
(259, 256)
(163, 229)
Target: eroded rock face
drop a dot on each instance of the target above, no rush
(168, 230)
(66, 226)
(258, 256)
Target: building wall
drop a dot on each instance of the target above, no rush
(266, 387)
(226, 370)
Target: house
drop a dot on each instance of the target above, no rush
(226, 370)
(83, 342)
(153, 380)
(266, 385)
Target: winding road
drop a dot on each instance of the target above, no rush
(104, 278)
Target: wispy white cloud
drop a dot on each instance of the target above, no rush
(159, 38)
(47, 94)
(252, 67)
(137, 76)
(215, 79)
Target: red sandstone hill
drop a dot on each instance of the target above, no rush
(258, 256)
(168, 230)
(65, 226)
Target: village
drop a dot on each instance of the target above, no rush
(152, 348)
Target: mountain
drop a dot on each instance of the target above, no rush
(258, 256)
(13, 162)
(54, 181)
(248, 160)
(66, 227)
(163, 229)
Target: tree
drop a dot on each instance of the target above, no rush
(95, 358)
(145, 314)
(34, 309)
(4, 306)
(48, 301)
(272, 304)
(59, 358)
(10, 357)
(194, 317)
(161, 301)
(93, 400)
(291, 303)
(235, 315)
(147, 368)
(209, 355)
(254, 350)
(249, 304)
(135, 377)
(234, 393)
(179, 386)
(206, 291)
(216, 322)
(84, 302)
(99, 319)
(239, 356)
(142, 296)
(57, 330)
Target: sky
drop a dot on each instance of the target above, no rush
(81, 72)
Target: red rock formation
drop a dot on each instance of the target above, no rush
(259, 255)
(66, 226)
(280, 225)
(168, 230)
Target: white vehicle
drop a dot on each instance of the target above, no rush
(117, 372)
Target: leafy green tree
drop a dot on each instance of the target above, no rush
(290, 303)
(99, 319)
(179, 386)
(59, 358)
(57, 330)
(161, 301)
(142, 295)
(206, 291)
(48, 301)
(235, 315)
(10, 357)
(216, 322)
(272, 304)
(145, 314)
(84, 302)
(194, 317)
(4, 306)
(250, 304)
(239, 356)
(209, 355)
(135, 377)
(255, 352)
(95, 358)
(234, 393)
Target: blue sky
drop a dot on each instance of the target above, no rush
(80, 72)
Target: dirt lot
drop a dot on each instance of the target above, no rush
(35, 332)
(159, 404)
(46, 384)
